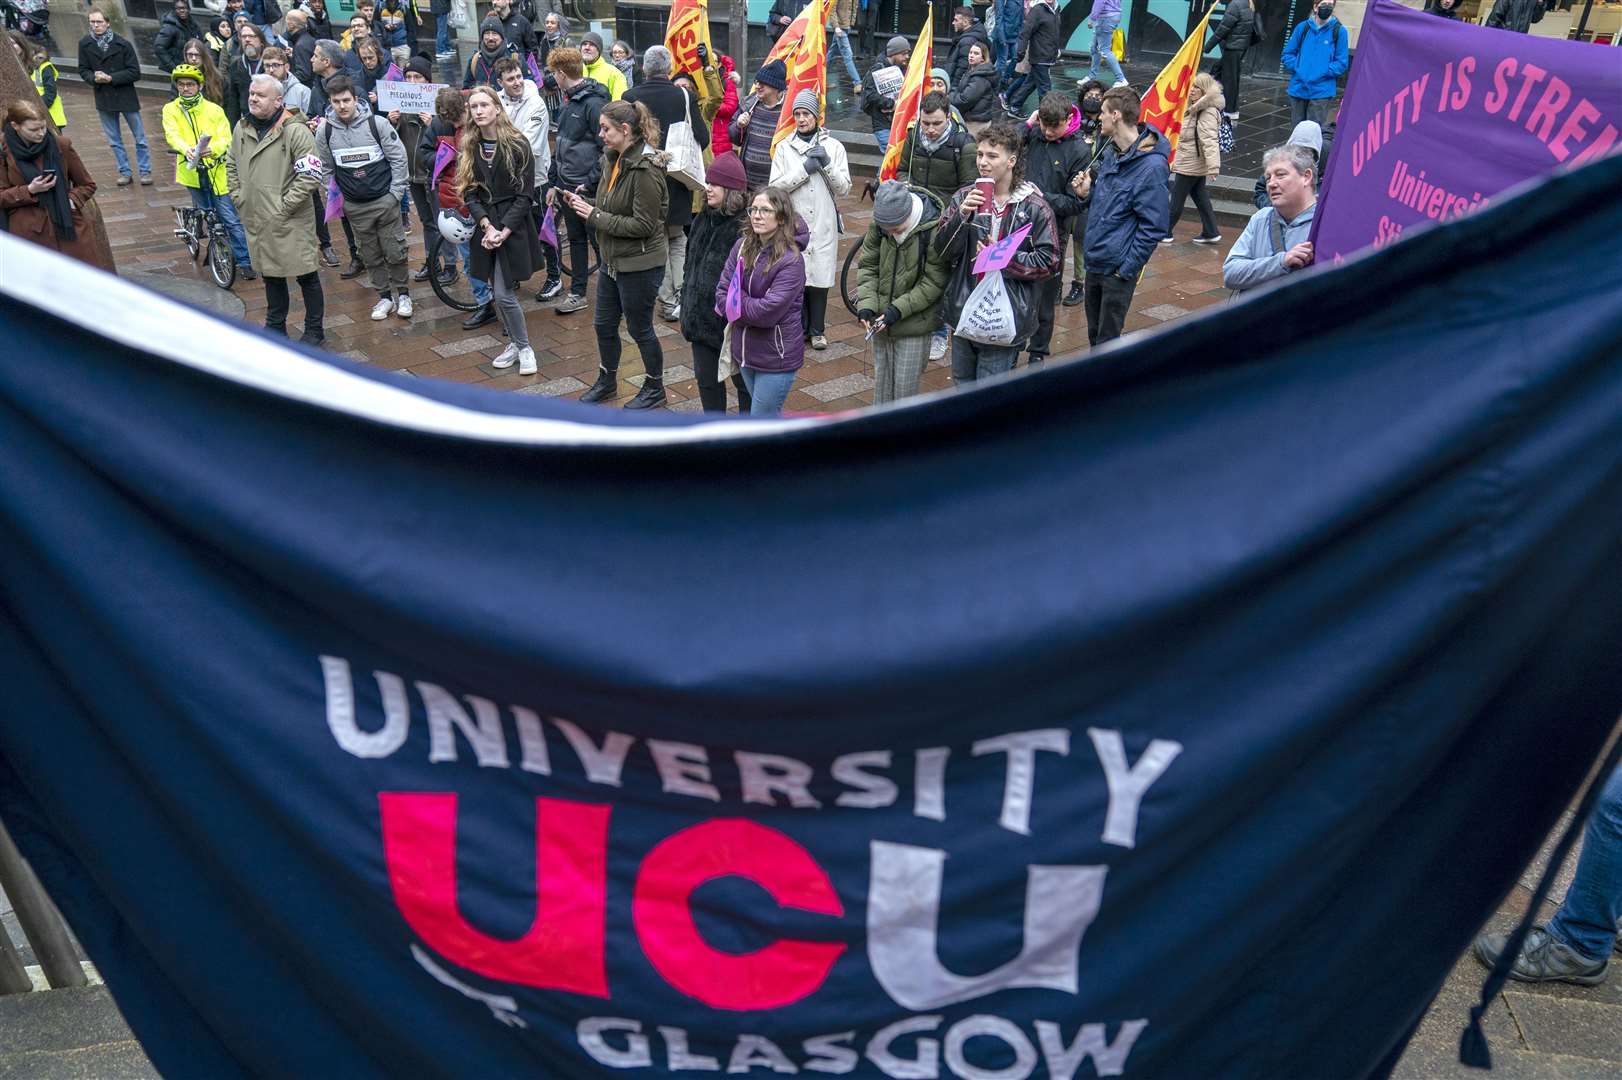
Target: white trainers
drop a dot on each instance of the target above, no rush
(403, 308)
(1120, 82)
(382, 309)
(937, 347)
(526, 361)
(508, 357)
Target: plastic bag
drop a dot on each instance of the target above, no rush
(1117, 44)
(458, 15)
(549, 227)
(988, 314)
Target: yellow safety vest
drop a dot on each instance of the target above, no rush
(56, 111)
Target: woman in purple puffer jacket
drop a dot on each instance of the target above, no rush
(768, 341)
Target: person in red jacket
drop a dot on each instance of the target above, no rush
(720, 143)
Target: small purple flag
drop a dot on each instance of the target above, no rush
(534, 70)
(394, 74)
(1001, 253)
(335, 201)
(549, 227)
(734, 308)
(442, 157)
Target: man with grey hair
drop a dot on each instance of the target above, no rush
(1275, 242)
(273, 172)
(670, 105)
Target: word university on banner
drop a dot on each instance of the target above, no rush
(1441, 116)
(807, 67)
(1241, 685)
(910, 99)
(407, 97)
(1167, 97)
(688, 28)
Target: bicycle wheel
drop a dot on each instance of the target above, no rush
(188, 231)
(453, 288)
(846, 279)
(222, 265)
(563, 255)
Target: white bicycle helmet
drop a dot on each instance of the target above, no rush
(455, 226)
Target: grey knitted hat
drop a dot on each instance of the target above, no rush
(807, 99)
(892, 205)
(897, 44)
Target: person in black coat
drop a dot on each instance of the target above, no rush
(714, 232)
(320, 23)
(975, 96)
(1038, 44)
(780, 16)
(175, 29)
(108, 63)
(499, 190)
(1236, 33)
(1054, 153)
(670, 105)
(966, 31)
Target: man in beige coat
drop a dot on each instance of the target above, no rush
(274, 171)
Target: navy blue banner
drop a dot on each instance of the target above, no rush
(1178, 713)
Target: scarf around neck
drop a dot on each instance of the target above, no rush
(33, 159)
(103, 41)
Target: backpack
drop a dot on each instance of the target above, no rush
(1225, 134)
(366, 182)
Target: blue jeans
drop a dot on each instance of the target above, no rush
(841, 45)
(1587, 920)
(1103, 35)
(481, 289)
(115, 139)
(1040, 80)
(442, 33)
(226, 211)
(882, 137)
(767, 390)
(1005, 50)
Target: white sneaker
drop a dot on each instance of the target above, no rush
(1168, 239)
(508, 357)
(526, 361)
(937, 346)
(403, 308)
(382, 309)
(1120, 82)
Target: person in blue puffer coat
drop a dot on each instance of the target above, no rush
(1317, 56)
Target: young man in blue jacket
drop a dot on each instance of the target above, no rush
(1317, 55)
(1127, 210)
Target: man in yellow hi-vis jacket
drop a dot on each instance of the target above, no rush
(200, 136)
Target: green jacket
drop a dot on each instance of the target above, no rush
(908, 276)
(946, 171)
(630, 216)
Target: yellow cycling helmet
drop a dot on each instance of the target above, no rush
(187, 71)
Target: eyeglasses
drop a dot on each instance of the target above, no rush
(760, 211)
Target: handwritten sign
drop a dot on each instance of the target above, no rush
(407, 97)
(1001, 253)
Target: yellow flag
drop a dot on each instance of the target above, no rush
(907, 102)
(1167, 96)
(814, 12)
(689, 27)
(807, 66)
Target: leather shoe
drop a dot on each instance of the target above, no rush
(354, 270)
(313, 337)
(606, 386)
(485, 314)
(420, 273)
(247, 273)
(651, 394)
(328, 256)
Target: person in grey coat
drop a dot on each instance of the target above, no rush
(363, 154)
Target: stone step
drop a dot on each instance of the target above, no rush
(67, 1033)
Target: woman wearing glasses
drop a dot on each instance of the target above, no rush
(762, 294)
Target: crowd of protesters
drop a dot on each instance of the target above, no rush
(276, 126)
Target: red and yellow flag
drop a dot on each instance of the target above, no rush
(689, 27)
(807, 65)
(814, 12)
(1167, 96)
(907, 102)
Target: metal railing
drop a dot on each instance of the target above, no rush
(41, 923)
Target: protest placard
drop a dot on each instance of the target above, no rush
(408, 97)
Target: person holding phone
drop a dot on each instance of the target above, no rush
(44, 185)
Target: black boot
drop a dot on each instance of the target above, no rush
(485, 314)
(651, 394)
(354, 270)
(607, 386)
(1073, 297)
(313, 335)
(421, 273)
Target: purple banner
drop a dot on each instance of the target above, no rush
(1441, 116)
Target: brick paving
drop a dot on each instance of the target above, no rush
(1181, 278)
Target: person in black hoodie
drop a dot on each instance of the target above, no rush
(881, 86)
(577, 161)
(108, 63)
(966, 31)
(714, 232)
(1054, 154)
(975, 96)
(320, 23)
(175, 29)
(1236, 33)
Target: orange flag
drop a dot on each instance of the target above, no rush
(1167, 96)
(814, 12)
(689, 27)
(910, 97)
(807, 65)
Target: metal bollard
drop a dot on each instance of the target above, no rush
(13, 979)
(40, 920)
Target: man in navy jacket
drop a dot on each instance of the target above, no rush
(1127, 211)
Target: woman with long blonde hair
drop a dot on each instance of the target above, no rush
(495, 177)
(629, 214)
